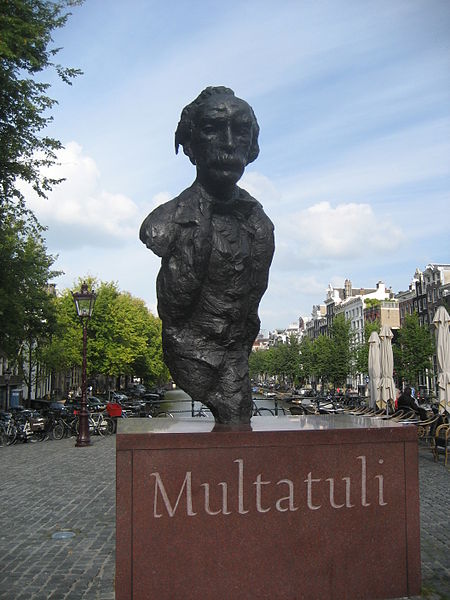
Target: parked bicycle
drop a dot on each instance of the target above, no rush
(65, 426)
(203, 411)
(99, 423)
(30, 426)
(8, 429)
(261, 411)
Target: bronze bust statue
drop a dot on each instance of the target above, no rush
(216, 245)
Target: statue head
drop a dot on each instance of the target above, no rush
(219, 134)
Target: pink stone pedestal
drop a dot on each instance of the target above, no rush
(322, 507)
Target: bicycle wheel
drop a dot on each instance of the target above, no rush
(12, 435)
(106, 426)
(263, 412)
(3, 437)
(58, 431)
(40, 436)
(73, 427)
(164, 414)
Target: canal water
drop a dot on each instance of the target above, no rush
(180, 405)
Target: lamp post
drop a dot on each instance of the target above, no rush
(84, 303)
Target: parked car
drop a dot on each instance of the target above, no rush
(136, 390)
(151, 397)
(56, 406)
(94, 404)
(306, 393)
(118, 397)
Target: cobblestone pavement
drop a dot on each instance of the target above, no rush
(48, 487)
(53, 486)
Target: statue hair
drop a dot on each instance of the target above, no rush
(189, 113)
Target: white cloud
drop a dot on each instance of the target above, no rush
(80, 210)
(323, 233)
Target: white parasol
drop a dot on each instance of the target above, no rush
(373, 368)
(441, 322)
(386, 386)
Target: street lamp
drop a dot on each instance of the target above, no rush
(84, 303)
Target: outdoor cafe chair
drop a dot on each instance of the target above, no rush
(441, 442)
(425, 429)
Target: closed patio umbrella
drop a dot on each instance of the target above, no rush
(386, 386)
(441, 322)
(374, 369)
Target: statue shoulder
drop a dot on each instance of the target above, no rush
(158, 228)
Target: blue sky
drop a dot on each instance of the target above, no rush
(353, 101)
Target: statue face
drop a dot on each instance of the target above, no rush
(221, 140)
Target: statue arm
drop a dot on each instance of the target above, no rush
(184, 248)
(181, 276)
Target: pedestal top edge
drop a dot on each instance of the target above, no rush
(298, 423)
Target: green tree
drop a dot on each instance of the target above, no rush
(26, 28)
(125, 335)
(321, 357)
(341, 351)
(331, 357)
(413, 350)
(257, 363)
(306, 359)
(26, 308)
(285, 362)
(124, 338)
(64, 349)
(281, 361)
(371, 302)
(26, 317)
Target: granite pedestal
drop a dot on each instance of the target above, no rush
(303, 507)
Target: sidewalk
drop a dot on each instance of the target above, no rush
(52, 486)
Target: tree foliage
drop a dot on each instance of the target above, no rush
(327, 358)
(342, 353)
(282, 362)
(306, 360)
(26, 28)
(258, 364)
(413, 350)
(124, 337)
(26, 308)
(321, 356)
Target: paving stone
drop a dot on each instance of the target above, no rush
(53, 486)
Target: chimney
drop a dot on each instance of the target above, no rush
(347, 289)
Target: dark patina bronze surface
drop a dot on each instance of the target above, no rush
(216, 245)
